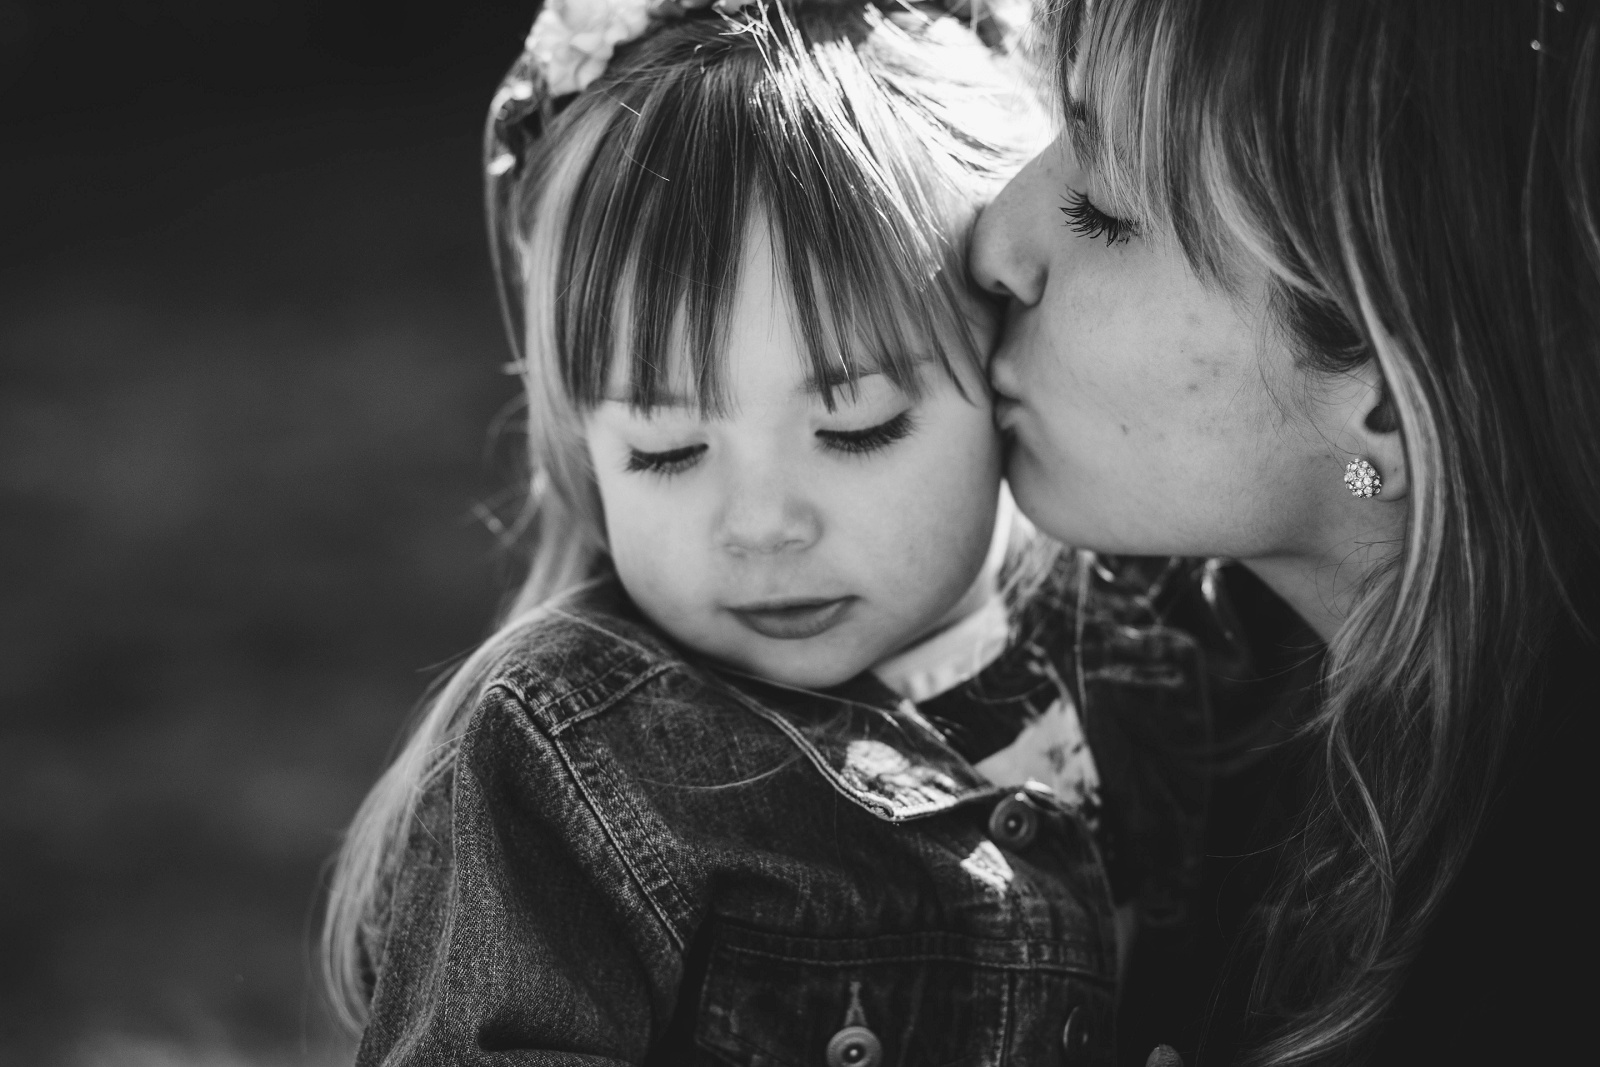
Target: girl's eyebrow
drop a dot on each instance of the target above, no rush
(841, 378)
(831, 380)
(813, 386)
(657, 400)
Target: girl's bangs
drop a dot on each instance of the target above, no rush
(705, 135)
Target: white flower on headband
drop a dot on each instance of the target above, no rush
(573, 39)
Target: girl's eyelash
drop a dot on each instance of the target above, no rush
(672, 461)
(851, 442)
(871, 439)
(1086, 220)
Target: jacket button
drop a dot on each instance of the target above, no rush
(855, 1046)
(1014, 822)
(1075, 1037)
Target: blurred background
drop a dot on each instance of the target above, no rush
(249, 363)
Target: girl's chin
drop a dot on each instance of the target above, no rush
(822, 665)
(803, 676)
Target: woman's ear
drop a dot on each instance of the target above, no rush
(1372, 429)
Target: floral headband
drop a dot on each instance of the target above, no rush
(572, 42)
(569, 47)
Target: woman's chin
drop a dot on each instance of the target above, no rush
(1074, 514)
(1044, 501)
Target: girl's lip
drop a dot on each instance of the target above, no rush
(795, 619)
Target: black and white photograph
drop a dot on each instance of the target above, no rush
(772, 533)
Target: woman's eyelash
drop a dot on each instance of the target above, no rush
(1086, 220)
(871, 439)
(672, 461)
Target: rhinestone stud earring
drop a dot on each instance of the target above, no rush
(1362, 478)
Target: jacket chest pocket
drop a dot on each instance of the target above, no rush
(897, 1001)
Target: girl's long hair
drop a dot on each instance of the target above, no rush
(865, 141)
(1419, 178)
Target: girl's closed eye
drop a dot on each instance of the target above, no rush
(669, 462)
(871, 439)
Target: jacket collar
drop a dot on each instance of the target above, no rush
(947, 659)
(872, 745)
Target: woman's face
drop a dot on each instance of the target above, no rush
(1145, 412)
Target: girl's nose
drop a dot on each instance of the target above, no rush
(1009, 253)
(763, 516)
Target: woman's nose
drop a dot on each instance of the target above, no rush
(763, 515)
(1009, 255)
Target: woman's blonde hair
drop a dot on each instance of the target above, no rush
(1420, 185)
(864, 140)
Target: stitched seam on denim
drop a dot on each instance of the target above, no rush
(543, 702)
(1085, 971)
(617, 791)
(612, 660)
(546, 701)
(649, 843)
(651, 673)
(883, 809)
(1003, 1038)
(616, 845)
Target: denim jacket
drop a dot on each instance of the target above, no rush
(636, 859)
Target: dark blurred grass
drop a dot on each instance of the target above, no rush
(248, 362)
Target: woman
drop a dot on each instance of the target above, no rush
(1327, 303)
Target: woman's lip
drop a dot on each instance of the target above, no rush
(1005, 412)
(792, 620)
(1002, 374)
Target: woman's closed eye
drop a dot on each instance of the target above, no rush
(672, 461)
(871, 439)
(1086, 220)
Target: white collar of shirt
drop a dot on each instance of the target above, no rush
(951, 656)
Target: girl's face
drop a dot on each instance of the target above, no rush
(1147, 413)
(796, 543)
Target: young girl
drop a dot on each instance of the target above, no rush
(754, 772)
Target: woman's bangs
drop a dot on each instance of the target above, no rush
(1147, 115)
(1106, 52)
(867, 244)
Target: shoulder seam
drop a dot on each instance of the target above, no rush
(559, 726)
(584, 788)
